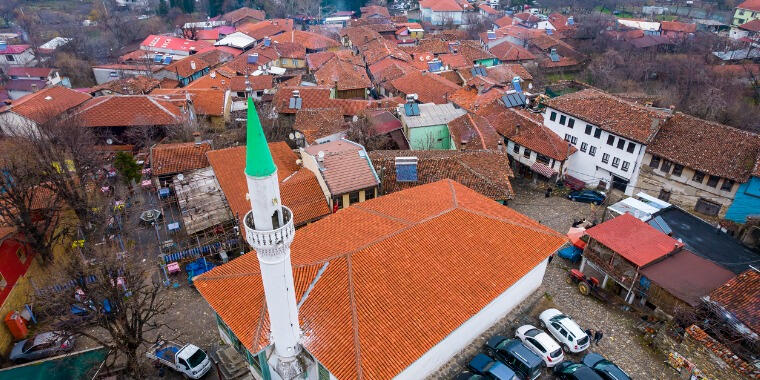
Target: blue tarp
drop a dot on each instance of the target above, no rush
(571, 253)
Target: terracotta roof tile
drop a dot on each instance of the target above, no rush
(316, 60)
(430, 87)
(346, 167)
(168, 159)
(375, 248)
(299, 188)
(378, 49)
(241, 13)
(753, 26)
(487, 9)
(706, 146)
(214, 79)
(454, 61)
(486, 172)
(47, 103)
(741, 297)
(206, 101)
(128, 110)
(472, 51)
(609, 112)
(504, 73)
(266, 28)
(503, 21)
(138, 85)
(675, 26)
(374, 10)
(342, 75)
(441, 5)
(41, 72)
(308, 40)
(389, 68)
(360, 35)
(316, 123)
(312, 97)
(509, 52)
(471, 99)
(474, 131)
(751, 5)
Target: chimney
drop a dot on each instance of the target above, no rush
(655, 123)
(192, 65)
(517, 129)
(500, 148)
(463, 145)
(516, 84)
(197, 138)
(296, 93)
(672, 109)
(213, 74)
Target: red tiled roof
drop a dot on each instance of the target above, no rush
(474, 131)
(25, 85)
(441, 5)
(707, 146)
(128, 110)
(563, 62)
(504, 73)
(184, 67)
(154, 41)
(675, 26)
(41, 72)
(486, 8)
(609, 112)
(741, 297)
(241, 13)
(429, 87)
(168, 159)
(257, 83)
(47, 103)
(206, 101)
(316, 60)
(214, 79)
(299, 188)
(267, 28)
(473, 51)
(503, 21)
(372, 10)
(312, 97)
(486, 172)
(308, 40)
(753, 5)
(471, 99)
(509, 52)
(207, 34)
(378, 49)
(15, 49)
(342, 75)
(454, 61)
(385, 251)
(360, 35)
(346, 167)
(531, 133)
(316, 123)
(633, 239)
(752, 26)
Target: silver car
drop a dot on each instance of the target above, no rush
(42, 346)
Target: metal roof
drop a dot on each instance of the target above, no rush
(432, 114)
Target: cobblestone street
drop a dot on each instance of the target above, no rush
(621, 343)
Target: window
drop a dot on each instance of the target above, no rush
(605, 158)
(570, 122)
(369, 194)
(610, 140)
(516, 148)
(655, 163)
(21, 254)
(3, 284)
(677, 170)
(626, 166)
(592, 151)
(631, 147)
(713, 181)
(553, 116)
(621, 144)
(615, 162)
(527, 153)
(542, 159)
(10, 58)
(727, 185)
(338, 202)
(584, 146)
(598, 133)
(664, 195)
(666, 166)
(567, 137)
(707, 207)
(698, 176)
(588, 129)
(574, 140)
(353, 197)
(562, 119)
(536, 344)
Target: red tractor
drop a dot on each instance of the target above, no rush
(586, 285)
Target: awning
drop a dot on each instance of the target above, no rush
(543, 169)
(575, 234)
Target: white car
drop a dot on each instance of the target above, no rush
(565, 330)
(540, 343)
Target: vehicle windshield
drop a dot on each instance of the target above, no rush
(558, 317)
(556, 353)
(611, 369)
(583, 340)
(532, 332)
(28, 344)
(197, 358)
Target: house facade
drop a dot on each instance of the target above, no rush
(745, 12)
(440, 12)
(426, 125)
(15, 55)
(610, 134)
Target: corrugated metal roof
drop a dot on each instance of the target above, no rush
(432, 114)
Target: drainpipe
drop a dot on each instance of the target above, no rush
(630, 290)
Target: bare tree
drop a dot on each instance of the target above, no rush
(362, 132)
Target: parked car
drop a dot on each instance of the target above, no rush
(467, 375)
(565, 330)
(42, 346)
(604, 368)
(516, 355)
(568, 370)
(587, 196)
(541, 343)
(485, 365)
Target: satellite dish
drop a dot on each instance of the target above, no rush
(291, 136)
(321, 155)
(355, 118)
(180, 176)
(109, 141)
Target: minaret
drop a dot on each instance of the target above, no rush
(269, 230)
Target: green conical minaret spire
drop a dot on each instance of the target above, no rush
(258, 159)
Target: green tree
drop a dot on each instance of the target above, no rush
(126, 165)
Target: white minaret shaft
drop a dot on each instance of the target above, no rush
(269, 230)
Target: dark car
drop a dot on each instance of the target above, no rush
(41, 346)
(568, 370)
(467, 375)
(587, 196)
(605, 368)
(516, 355)
(485, 365)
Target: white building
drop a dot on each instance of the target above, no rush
(372, 278)
(440, 12)
(16, 55)
(116, 71)
(610, 134)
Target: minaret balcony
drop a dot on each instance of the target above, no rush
(270, 243)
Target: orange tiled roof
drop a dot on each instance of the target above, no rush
(257, 83)
(319, 122)
(454, 61)
(675, 26)
(471, 99)
(504, 73)
(128, 110)
(241, 13)
(473, 132)
(741, 296)
(214, 79)
(430, 87)
(299, 188)
(47, 103)
(423, 253)
(503, 21)
(509, 52)
(308, 40)
(206, 101)
(313, 97)
(178, 158)
(129, 86)
(342, 75)
(441, 5)
(316, 60)
(184, 67)
(345, 167)
(372, 10)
